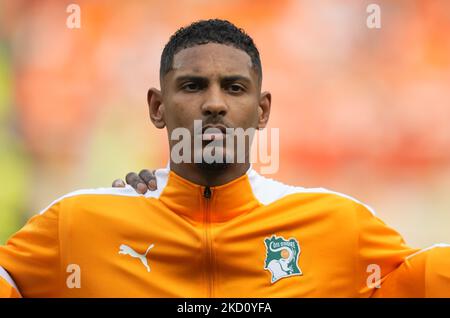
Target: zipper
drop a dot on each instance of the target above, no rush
(207, 194)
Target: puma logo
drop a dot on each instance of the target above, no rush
(126, 250)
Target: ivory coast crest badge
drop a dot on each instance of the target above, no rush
(282, 257)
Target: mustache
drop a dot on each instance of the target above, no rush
(211, 122)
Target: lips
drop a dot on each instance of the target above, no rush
(215, 132)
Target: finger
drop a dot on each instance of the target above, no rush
(118, 183)
(152, 185)
(136, 182)
(149, 178)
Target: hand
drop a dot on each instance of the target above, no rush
(146, 180)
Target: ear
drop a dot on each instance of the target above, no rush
(264, 109)
(156, 108)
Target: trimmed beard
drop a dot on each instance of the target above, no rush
(213, 166)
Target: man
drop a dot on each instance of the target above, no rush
(214, 229)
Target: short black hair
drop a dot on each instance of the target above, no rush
(209, 31)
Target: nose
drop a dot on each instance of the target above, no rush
(215, 104)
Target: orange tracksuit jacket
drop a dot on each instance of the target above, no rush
(252, 237)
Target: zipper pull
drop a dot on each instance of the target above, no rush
(207, 192)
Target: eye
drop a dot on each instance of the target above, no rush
(191, 87)
(236, 88)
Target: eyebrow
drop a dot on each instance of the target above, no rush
(196, 78)
(235, 78)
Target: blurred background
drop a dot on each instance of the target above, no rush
(361, 111)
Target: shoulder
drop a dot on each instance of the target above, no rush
(87, 195)
(269, 191)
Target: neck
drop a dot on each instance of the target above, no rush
(207, 175)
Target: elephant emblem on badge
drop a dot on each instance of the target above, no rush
(282, 257)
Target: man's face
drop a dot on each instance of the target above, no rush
(214, 83)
